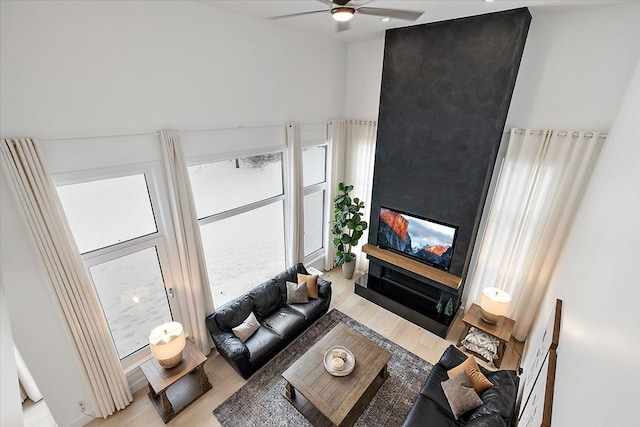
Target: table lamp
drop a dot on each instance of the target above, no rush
(167, 342)
(494, 304)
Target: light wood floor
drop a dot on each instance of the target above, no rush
(37, 414)
(226, 381)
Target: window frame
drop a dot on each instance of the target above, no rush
(320, 253)
(282, 198)
(202, 160)
(160, 239)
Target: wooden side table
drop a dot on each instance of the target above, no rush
(502, 330)
(172, 390)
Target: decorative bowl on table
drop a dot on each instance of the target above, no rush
(339, 361)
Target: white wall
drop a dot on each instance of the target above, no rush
(38, 328)
(87, 68)
(575, 68)
(597, 279)
(364, 74)
(99, 68)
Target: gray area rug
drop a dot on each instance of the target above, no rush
(260, 402)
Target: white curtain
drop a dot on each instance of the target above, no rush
(190, 272)
(543, 178)
(295, 204)
(360, 151)
(34, 188)
(336, 135)
(28, 386)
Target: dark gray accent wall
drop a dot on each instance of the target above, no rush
(446, 89)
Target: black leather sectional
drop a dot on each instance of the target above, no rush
(431, 408)
(280, 322)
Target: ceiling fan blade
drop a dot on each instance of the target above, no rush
(298, 14)
(407, 15)
(343, 26)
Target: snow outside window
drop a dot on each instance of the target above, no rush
(240, 207)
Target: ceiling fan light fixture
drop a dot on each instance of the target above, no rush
(342, 14)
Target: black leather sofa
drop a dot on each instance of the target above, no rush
(431, 408)
(280, 322)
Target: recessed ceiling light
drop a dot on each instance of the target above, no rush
(385, 19)
(488, 1)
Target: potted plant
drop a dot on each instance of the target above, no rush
(347, 227)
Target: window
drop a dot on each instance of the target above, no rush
(99, 212)
(314, 161)
(240, 207)
(131, 291)
(313, 222)
(314, 172)
(230, 184)
(115, 224)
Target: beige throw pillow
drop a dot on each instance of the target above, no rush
(297, 293)
(460, 394)
(312, 283)
(247, 328)
(477, 378)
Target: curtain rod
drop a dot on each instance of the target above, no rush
(157, 133)
(519, 131)
(240, 128)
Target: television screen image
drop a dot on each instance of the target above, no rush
(422, 239)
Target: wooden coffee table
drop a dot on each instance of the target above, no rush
(327, 400)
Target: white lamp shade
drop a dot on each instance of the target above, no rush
(494, 303)
(342, 14)
(167, 342)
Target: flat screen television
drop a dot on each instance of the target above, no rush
(422, 239)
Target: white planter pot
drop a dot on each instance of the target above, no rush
(348, 268)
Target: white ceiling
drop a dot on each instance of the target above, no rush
(365, 27)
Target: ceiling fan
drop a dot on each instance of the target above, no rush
(343, 10)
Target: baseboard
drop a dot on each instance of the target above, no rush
(82, 421)
(136, 380)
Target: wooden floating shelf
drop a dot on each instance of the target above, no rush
(413, 266)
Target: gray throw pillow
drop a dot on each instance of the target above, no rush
(247, 328)
(460, 394)
(297, 293)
